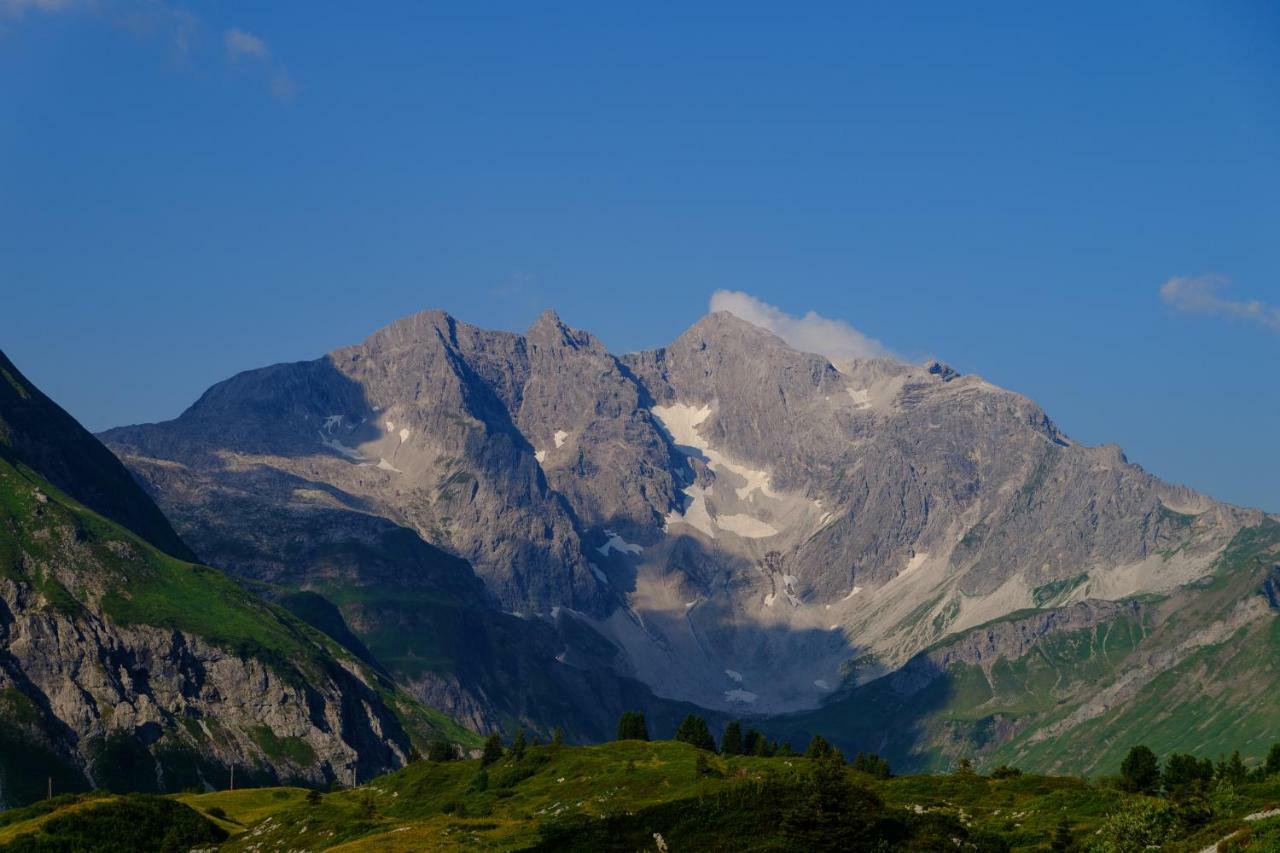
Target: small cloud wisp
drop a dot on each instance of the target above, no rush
(813, 332)
(1203, 295)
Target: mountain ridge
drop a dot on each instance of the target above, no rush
(729, 521)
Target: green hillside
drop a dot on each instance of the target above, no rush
(1195, 670)
(625, 795)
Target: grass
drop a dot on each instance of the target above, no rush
(615, 796)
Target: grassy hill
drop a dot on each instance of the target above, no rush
(622, 796)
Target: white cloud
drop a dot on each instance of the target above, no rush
(241, 44)
(1202, 295)
(163, 21)
(810, 333)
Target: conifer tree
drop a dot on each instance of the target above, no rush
(818, 747)
(832, 814)
(557, 737)
(519, 745)
(751, 742)
(492, 750)
(632, 726)
(872, 765)
(1140, 771)
(694, 730)
(1272, 765)
(731, 742)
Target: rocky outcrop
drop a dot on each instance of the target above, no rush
(127, 667)
(734, 520)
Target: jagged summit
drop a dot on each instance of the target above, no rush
(727, 519)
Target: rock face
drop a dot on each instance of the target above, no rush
(726, 520)
(125, 666)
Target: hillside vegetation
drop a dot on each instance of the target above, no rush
(639, 795)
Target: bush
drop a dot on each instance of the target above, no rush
(1140, 824)
(136, 822)
(441, 750)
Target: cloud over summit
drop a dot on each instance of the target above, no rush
(813, 332)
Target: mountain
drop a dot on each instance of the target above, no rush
(726, 522)
(125, 665)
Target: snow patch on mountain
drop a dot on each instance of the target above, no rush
(617, 543)
(338, 447)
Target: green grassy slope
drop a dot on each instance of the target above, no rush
(616, 796)
(1194, 671)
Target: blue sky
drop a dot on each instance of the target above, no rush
(191, 190)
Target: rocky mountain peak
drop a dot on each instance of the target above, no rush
(550, 331)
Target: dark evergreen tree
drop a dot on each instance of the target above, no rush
(1063, 841)
(519, 745)
(694, 730)
(632, 726)
(751, 742)
(492, 750)
(314, 797)
(832, 814)
(1232, 770)
(818, 747)
(557, 737)
(1272, 765)
(1185, 774)
(964, 767)
(1140, 771)
(872, 764)
(731, 742)
(441, 750)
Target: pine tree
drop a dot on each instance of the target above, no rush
(694, 730)
(518, 745)
(731, 742)
(1140, 771)
(818, 748)
(872, 765)
(632, 726)
(557, 737)
(1272, 766)
(492, 750)
(313, 797)
(1062, 842)
(751, 742)
(832, 814)
(1232, 770)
